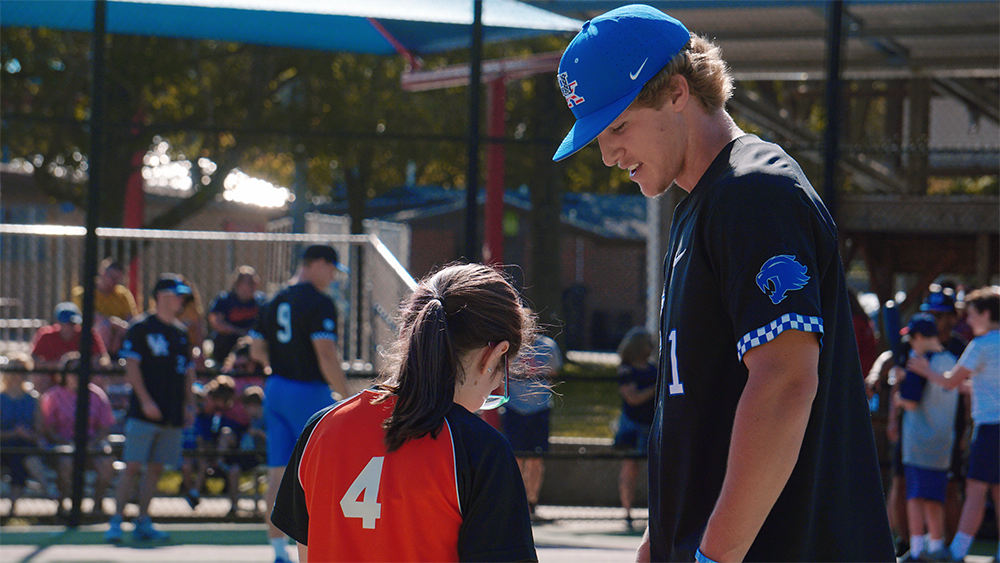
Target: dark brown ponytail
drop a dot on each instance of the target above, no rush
(456, 310)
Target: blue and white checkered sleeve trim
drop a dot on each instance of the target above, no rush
(324, 336)
(771, 331)
(256, 335)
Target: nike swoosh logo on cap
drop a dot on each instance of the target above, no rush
(636, 75)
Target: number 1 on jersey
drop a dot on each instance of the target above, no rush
(368, 509)
(675, 387)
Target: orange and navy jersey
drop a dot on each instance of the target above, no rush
(454, 497)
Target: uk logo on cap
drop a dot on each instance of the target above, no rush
(615, 54)
(569, 90)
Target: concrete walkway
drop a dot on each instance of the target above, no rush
(557, 541)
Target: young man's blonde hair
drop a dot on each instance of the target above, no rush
(700, 63)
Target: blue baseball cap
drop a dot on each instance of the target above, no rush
(922, 323)
(939, 302)
(324, 252)
(172, 283)
(68, 313)
(607, 64)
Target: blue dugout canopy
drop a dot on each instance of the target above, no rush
(418, 26)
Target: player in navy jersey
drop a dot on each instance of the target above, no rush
(405, 471)
(234, 312)
(762, 446)
(296, 335)
(159, 369)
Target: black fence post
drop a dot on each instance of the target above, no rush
(472, 180)
(831, 145)
(96, 170)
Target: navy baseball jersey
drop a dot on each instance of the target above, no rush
(643, 378)
(295, 317)
(753, 252)
(164, 357)
(452, 495)
(241, 314)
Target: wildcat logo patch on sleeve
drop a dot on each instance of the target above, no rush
(781, 274)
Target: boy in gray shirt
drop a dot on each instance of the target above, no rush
(928, 436)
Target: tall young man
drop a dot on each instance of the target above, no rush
(762, 446)
(158, 366)
(296, 335)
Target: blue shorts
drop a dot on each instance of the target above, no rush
(526, 432)
(925, 483)
(632, 435)
(288, 406)
(984, 454)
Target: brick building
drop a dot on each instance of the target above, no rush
(602, 262)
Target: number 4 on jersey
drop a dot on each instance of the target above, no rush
(368, 482)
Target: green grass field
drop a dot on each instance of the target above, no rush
(586, 402)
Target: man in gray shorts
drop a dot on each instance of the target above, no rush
(158, 366)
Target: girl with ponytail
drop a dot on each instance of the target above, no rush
(406, 471)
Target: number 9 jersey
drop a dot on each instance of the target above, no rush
(456, 496)
(295, 317)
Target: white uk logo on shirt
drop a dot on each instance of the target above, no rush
(158, 344)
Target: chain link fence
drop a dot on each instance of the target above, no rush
(39, 266)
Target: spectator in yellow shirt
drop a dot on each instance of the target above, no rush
(114, 305)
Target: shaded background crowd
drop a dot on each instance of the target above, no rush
(40, 392)
(937, 418)
(223, 448)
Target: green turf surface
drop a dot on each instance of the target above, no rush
(199, 534)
